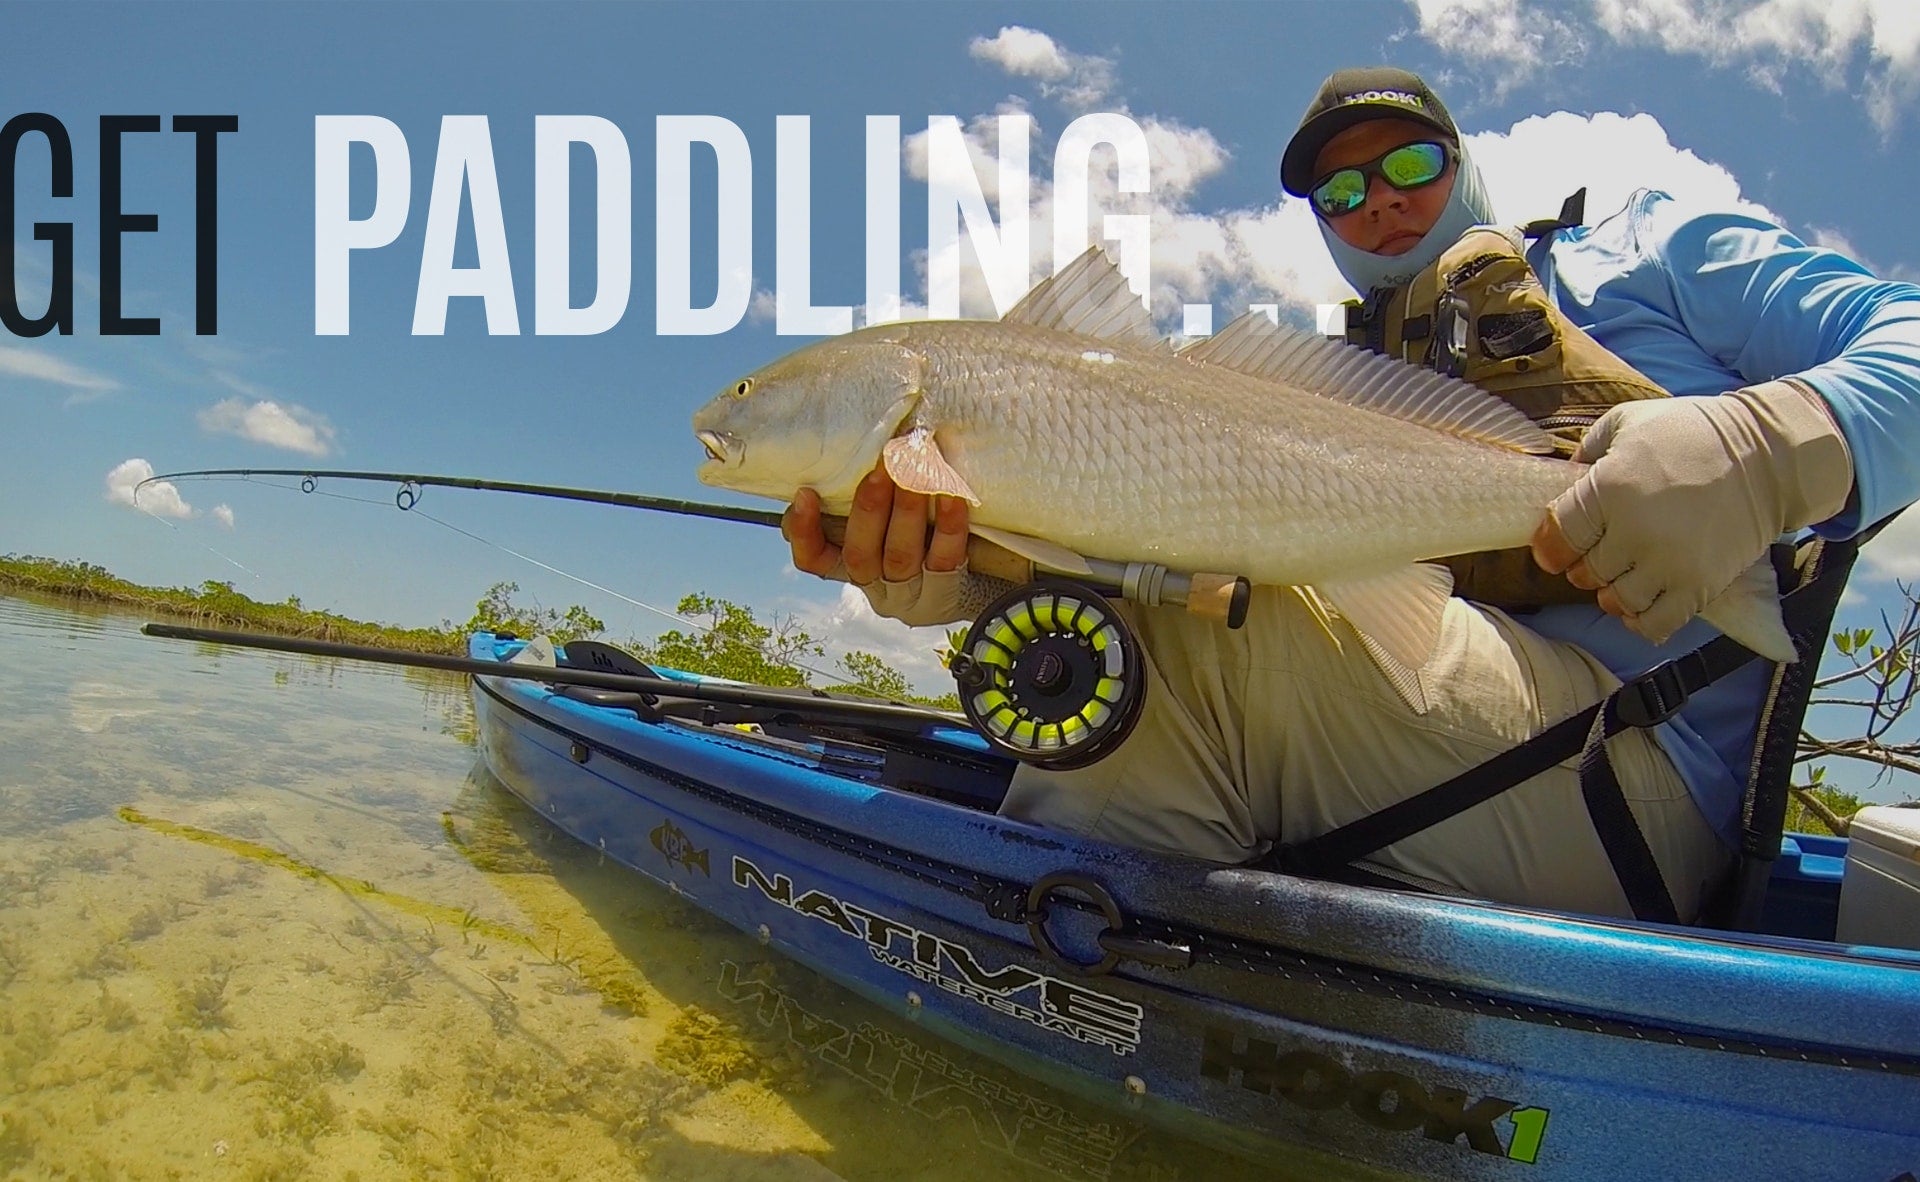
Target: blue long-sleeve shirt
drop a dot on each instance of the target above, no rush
(1703, 304)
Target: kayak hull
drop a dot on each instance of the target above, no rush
(1389, 1032)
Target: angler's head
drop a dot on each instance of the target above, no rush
(1382, 164)
(817, 417)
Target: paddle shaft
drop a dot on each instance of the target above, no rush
(737, 695)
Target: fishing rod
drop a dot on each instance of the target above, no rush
(809, 702)
(411, 483)
(1222, 598)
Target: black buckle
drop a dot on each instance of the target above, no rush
(1659, 693)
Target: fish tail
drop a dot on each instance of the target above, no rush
(698, 857)
(1749, 611)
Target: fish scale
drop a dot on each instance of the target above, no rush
(1244, 474)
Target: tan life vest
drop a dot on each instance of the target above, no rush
(1479, 313)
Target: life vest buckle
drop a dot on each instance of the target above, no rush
(1452, 320)
(1658, 694)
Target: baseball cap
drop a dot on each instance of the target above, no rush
(1355, 96)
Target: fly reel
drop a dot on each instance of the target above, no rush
(1051, 675)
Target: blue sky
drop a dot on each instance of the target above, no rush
(1803, 114)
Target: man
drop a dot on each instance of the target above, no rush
(1801, 373)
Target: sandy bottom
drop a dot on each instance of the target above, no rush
(266, 918)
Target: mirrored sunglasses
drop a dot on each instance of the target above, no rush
(1408, 166)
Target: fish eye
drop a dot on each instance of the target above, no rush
(744, 388)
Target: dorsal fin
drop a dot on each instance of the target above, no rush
(1089, 297)
(1256, 346)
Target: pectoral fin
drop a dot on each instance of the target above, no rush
(1397, 617)
(914, 461)
(1749, 611)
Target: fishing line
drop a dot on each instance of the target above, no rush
(708, 629)
(196, 541)
(409, 502)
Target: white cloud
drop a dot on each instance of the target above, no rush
(1192, 252)
(1274, 252)
(1509, 42)
(291, 427)
(1019, 50)
(240, 385)
(39, 366)
(223, 514)
(1863, 47)
(909, 309)
(1870, 48)
(161, 499)
(762, 307)
(982, 137)
(1895, 552)
(1832, 239)
(1077, 80)
(851, 624)
(1534, 165)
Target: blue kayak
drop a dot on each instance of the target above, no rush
(1283, 1018)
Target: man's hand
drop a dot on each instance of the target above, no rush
(886, 552)
(886, 534)
(1686, 493)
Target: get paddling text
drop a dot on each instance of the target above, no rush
(369, 153)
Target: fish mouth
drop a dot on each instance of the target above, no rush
(722, 448)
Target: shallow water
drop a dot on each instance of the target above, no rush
(265, 916)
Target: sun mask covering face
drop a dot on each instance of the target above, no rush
(1467, 207)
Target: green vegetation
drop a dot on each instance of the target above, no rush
(1877, 682)
(202, 1003)
(497, 612)
(215, 604)
(732, 643)
(1819, 807)
(706, 1048)
(297, 1078)
(723, 639)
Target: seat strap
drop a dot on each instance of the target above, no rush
(1621, 836)
(1647, 700)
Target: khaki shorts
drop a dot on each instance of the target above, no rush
(1277, 732)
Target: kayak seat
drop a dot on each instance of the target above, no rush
(1812, 577)
(1813, 582)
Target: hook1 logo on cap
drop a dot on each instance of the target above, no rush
(1385, 96)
